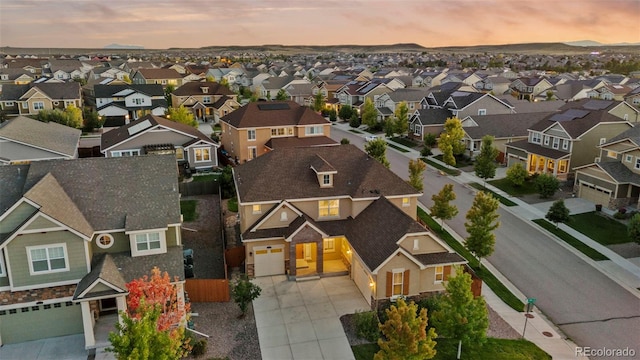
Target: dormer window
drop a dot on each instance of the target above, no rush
(205, 89)
(326, 180)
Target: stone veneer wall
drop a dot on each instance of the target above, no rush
(18, 297)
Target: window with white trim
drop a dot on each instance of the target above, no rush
(406, 202)
(397, 282)
(328, 208)
(206, 99)
(283, 216)
(314, 130)
(47, 259)
(3, 272)
(565, 144)
(329, 245)
(122, 153)
(202, 154)
(326, 179)
(104, 241)
(603, 140)
(179, 153)
(25, 105)
(546, 139)
(253, 152)
(637, 165)
(138, 101)
(556, 143)
(628, 158)
(38, 105)
(256, 209)
(439, 274)
(148, 241)
(251, 134)
(8, 103)
(535, 137)
(288, 131)
(612, 154)
(482, 111)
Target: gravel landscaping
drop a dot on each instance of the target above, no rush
(204, 237)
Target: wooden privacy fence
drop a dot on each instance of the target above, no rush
(234, 257)
(207, 290)
(199, 188)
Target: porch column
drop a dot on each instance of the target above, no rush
(121, 303)
(320, 255)
(87, 325)
(555, 168)
(181, 303)
(292, 259)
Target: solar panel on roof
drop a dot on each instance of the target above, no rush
(597, 104)
(274, 106)
(560, 117)
(576, 113)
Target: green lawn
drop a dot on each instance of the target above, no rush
(404, 141)
(593, 254)
(453, 172)
(188, 210)
(507, 186)
(208, 177)
(493, 349)
(232, 204)
(391, 145)
(486, 276)
(599, 228)
(461, 161)
(503, 200)
(356, 131)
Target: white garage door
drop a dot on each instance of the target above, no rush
(361, 279)
(269, 260)
(596, 194)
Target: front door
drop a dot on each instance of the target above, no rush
(107, 305)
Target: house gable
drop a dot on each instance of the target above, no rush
(422, 244)
(280, 216)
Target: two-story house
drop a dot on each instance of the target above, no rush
(119, 104)
(206, 100)
(387, 103)
(23, 140)
(528, 88)
(569, 137)
(157, 135)
(162, 77)
(74, 232)
(336, 210)
(354, 93)
(613, 180)
(29, 99)
(258, 127)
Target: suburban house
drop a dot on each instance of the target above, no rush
(387, 103)
(268, 89)
(258, 127)
(336, 210)
(613, 180)
(505, 129)
(569, 137)
(528, 88)
(355, 92)
(74, 232)
(206, 100)
(162, 77)
(29, 99)
(157, 135)
(120, 103)
(23, 140)
(437, 107)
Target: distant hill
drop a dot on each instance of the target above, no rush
(595, 43)
(118, 46)
(301, 49)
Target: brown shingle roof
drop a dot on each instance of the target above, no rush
(286, 174)
(273, 113)
(293, 142)
(195, 88)
(160, 74)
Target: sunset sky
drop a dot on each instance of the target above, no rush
(197, 23)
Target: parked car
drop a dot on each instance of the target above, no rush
(370, 138)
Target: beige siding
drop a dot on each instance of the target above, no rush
(335, 255)
(492, 106)
(357, 206)
(622, 110)
(411, 210)
(274, 221)
(19, 262)
(16, 217)
(585, 150)
(248, 218)
(426, 245)
(399, 262)
(152, 138)
(427, 280)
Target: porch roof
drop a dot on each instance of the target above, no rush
(536, 149)
(440, 258)
(619, 172)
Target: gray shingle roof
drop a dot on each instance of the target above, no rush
(12, 179)
(195, 88)
(439, 258)
(106, 190)
(408, 94)
(503, 125)
(433, 116)
(577, 126)
(619, 172)
(60, 91)
(632, 134)
(537, 149)
(286, 174)
(107, 91)
(102, 267)
(117, 136)
(136, 267)
(295, 142)
(51, 136)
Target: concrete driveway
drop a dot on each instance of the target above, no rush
(301, 320)
(59, 348)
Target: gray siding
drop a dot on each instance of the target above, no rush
(15, 151)
(213, 156)
(17, 257)
(16, 217)
(152, 138)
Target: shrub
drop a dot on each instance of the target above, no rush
(333, 115)
(199, 348)
(547, 185)
(425, 152)
(354, 122)
(345, 141)
(619, 215)
(367, 325)
(517, 174)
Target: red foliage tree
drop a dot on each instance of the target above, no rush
(157, 291)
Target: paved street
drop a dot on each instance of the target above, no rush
(589, 307)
